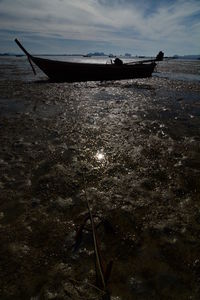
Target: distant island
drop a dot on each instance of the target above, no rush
(176, 56)
(8, 54)
(95, 54)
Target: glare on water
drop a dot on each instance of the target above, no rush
(100, 156)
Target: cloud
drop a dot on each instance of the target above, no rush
(140, 25)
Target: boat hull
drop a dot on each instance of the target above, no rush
(71, 72)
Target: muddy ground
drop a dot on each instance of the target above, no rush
(137, 144)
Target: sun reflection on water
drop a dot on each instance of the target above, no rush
(100, 156)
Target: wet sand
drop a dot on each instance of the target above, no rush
(137, 142)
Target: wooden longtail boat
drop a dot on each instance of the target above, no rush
(74, 71)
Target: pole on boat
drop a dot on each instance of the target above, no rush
(27, 54)
(159, 57)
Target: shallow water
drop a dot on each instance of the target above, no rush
(137, 144)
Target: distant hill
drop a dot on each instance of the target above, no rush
(187, 56)
(97, 54)
(7, 54)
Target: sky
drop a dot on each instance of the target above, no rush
(141, 27)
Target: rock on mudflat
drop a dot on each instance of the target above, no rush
(19, 250)
(1, 215)
(64, 203)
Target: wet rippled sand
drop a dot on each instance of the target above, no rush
(138, 144)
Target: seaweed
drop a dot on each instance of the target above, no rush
(102, 270)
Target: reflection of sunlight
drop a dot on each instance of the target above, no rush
(100, 156)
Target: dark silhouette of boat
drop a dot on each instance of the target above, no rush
(74, 71)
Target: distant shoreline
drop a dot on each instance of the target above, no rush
(190, 57)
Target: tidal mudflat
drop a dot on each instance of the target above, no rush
(137, 142)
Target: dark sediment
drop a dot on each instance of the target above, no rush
(138, 143)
